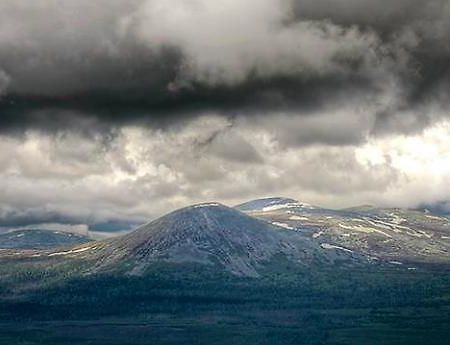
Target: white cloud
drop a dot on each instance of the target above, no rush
(229, 41)
(143, 173)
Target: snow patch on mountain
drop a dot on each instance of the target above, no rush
(332, 246)
(283, 225)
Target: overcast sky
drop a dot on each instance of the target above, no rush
(117, 111)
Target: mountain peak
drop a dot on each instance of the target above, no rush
(208, 233)
(207, 205)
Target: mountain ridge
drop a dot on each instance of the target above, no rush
(243, 243)
(399, 236)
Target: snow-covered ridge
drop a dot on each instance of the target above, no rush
(298, 218)
(332, 246)
(73, 251)
(210, 204)
(286, 205)
(272, 203)
(283, 225)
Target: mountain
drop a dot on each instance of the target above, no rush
(39, 239)
(274, 203)
(245, 243)
(401, 237)
(209, 234)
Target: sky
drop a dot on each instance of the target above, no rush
(114, 112)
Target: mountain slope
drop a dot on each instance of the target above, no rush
(402, 237)
(39, 239)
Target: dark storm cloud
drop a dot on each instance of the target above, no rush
(427, 22)
(162, 107)
(68, 64)
(22, 218)
(15, 218)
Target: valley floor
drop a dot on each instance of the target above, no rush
(405, 325)
(186, 305)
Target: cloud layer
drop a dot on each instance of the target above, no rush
(115, 111)
(140, 173)
(159, 61)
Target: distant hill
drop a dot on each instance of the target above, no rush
(39, 239)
